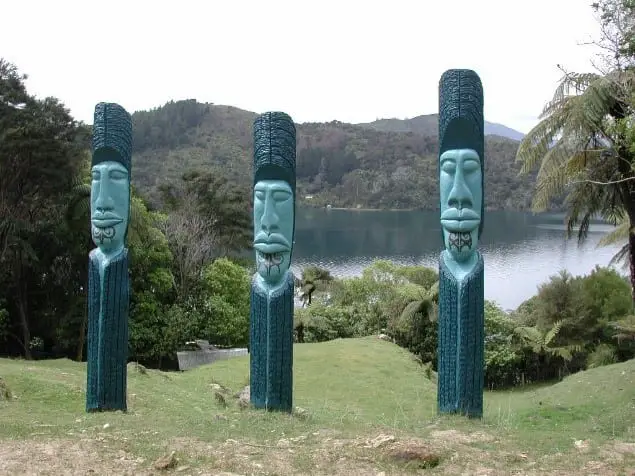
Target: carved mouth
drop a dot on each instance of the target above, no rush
(106, 222)
(458, 221)
(270, 248)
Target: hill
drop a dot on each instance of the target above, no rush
(366, 407)
(428, 125)
(341, 164)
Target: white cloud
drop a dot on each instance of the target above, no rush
(351, 60)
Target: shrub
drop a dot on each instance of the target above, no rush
(319, 323)
(603, 354)
(501, 356)
(225, 308)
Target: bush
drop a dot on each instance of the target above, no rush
(225, 307)
(604, 354)
(418, 331)
(319, 323)
(501, 355)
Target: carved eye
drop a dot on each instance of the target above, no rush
(260, 195)
(118, 175)
(281, 195)
(96, 175)
(448, 167)
(471, 165)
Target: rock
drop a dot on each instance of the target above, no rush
(243, 398)
(166, 462)
(301, 413)
(106, 426)
(137, 367)
(379, 441)
(283, 443)
(385, 337)
(220, 388)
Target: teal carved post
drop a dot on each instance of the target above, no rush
(271, 316)
(461, 299)
(108, 282)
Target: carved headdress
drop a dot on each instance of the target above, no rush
(274, 148)
(461, 122)
(112, 131)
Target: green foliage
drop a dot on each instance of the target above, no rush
(502, 358)
(319, 323)
(225, 309)
(152, 285)
(604, 354)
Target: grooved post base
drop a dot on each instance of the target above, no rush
(461, 364)
(271, 346)
(107, 352)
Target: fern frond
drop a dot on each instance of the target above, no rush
(553, 332)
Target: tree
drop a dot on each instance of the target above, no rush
(209, 216)
(41, 149)
(312, 276)
(543, 343)
(584, 144)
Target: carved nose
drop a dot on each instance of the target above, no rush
(460, 196)
(269, 222)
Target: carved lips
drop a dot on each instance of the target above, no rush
(105, 220)
(462, 220)
(271, 244)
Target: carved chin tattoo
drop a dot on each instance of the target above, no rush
(103, 234)
(458, 241)
(270, 261)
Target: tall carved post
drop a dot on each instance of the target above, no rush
(461, 298)
(108, 282)
(271, 316)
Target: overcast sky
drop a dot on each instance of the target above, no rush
(318, 60)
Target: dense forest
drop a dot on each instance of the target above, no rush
(344, 165)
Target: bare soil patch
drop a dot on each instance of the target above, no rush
(66, 457)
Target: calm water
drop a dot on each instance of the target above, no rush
(520, 250)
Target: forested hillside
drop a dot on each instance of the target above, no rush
(340, 164)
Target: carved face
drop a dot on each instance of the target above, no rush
(109, 206)
(461, 198)
(273, 228)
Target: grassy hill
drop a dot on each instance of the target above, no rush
(344, 165)
(353, 394)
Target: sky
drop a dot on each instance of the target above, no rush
(319, 60)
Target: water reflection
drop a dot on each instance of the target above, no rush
(520, 250)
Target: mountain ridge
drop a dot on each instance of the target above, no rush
(340, 164)
(427, 124)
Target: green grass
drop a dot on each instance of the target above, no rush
(352, 390)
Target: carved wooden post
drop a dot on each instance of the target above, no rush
(461, 298)
(271, 316)
(108, 281)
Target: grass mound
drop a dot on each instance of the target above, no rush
(347, 392)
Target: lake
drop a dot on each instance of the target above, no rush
(520, 250)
